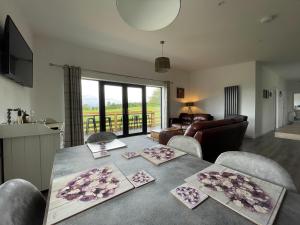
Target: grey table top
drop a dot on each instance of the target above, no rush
(153, 203)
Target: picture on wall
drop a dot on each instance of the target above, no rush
(180, 92)
(267, 94)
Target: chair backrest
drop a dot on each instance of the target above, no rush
(257, 166)
(102, 136)
(21, 203)
(186, 144)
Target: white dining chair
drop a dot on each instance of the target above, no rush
(186, 144)
(101, 136)
(21, 203)
(257, 166)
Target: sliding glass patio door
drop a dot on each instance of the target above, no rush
(90, 107)
(113, 99)
(136, 112)
(124, 109)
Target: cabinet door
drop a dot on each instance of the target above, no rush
(33, 160)
(49, 146)
(7, 160)
(22, 159)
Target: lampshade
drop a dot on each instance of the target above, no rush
(162, 64)
(148, 15)
(189, 104)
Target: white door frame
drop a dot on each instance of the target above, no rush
(279, 108)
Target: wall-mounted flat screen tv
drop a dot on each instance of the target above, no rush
(17, 57)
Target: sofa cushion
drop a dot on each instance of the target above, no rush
(201, 125)
(201, 117)
(177, 125)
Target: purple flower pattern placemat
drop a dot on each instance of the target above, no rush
(140, 178)
(189, 195)
(130, 155)
(161, 153)
(239, 189)
(93, 184)
(73, 193)
(253, 198)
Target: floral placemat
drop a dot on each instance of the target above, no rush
(105, 146)
(161, 153)
(101, 154)
(253, 198)
(77, 192)
(140, 178)
(189, 195)
(130, 155)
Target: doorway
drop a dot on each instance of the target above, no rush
(296, 106)
(121, 108)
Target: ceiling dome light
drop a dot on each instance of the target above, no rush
(268, 19)
(148, 15)
(162, 64)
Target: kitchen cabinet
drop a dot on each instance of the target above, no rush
(28, 152)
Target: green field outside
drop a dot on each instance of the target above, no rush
(114, 111)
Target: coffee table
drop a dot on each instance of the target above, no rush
(154, 134)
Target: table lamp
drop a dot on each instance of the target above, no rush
(189, 105)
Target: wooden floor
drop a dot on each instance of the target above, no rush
(291, 132)
(285, 152)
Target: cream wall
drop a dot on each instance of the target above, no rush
(47, 95)
(296, 99)
(207, 88)
(293, 87)
(13, 95)
(267, 79)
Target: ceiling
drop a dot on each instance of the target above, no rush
(203, 35)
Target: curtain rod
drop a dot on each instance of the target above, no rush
(113, 74)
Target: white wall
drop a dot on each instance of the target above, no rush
(207, 88)
(297, 99)
(13, 95)
(47, 95)
(267, 79)
(292, 87)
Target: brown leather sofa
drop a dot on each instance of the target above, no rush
(185, 120)
(214, 137)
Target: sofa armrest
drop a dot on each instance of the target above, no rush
(165, 136)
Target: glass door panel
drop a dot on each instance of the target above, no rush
(124, 109)
(135, 110)
(113, 98)
(153, 101)
(90, 107)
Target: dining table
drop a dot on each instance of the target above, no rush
(153, 203)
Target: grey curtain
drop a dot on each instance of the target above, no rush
(73, 107)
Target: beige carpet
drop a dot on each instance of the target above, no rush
(291, 132)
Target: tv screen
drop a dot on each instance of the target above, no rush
(17, 57)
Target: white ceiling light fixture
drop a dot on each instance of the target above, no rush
(148, 15)
(268, 19)
(162, 64)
